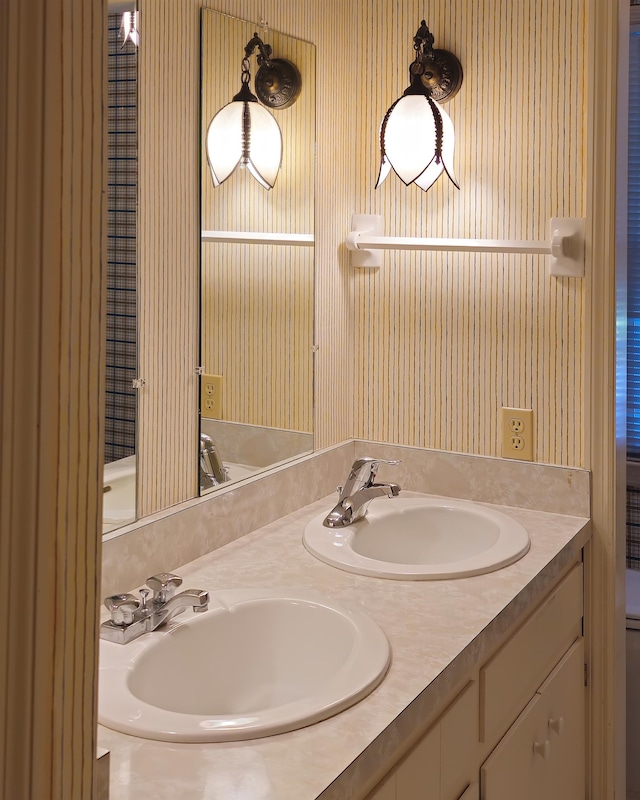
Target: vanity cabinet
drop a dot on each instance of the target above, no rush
(517, 729)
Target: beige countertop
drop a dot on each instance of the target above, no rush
(438, 631)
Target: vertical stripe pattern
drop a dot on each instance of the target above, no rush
(52, 334)
(442, 341)
(168, 247)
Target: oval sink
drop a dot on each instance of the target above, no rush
(260, 662)
(420, 539)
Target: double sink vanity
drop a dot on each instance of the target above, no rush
(431, 648)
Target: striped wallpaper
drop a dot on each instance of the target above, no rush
(257, 332)
(442, 341)
(168, 246)
(426, 350)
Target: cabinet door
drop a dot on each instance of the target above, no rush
(562, 700)
(443, 765)
(459, 745)
(542, 754)
(418, 776)
(386, 790)
(514, 769)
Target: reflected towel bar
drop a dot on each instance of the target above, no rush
(565, 245)
(244, 237)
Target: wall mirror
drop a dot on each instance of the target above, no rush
(256, 326)
(119, 499)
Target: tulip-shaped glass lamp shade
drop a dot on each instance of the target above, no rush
(243, 133)
(416, 136)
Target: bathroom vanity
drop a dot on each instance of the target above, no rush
(517, 727)
(485, 687)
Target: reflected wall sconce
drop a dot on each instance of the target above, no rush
(129, 27)
(244, 133)
(416, 135)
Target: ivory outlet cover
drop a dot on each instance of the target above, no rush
(517, 433)
(211, 396)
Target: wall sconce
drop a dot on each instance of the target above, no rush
(129, 27)
(243, 133)
(416, 135)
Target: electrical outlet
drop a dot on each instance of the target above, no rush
(211, 396)
(517, 433)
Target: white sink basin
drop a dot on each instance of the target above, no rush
(420, 539)
(259, 662)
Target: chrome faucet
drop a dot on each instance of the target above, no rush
(212, 470)
(358, 491)
(132, 616)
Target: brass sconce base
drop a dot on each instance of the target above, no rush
(442, 76)
(278, 83)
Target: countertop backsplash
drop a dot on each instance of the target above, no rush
(164, 541)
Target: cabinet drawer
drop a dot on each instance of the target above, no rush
(515, 672)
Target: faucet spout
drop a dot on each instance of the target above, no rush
(358, 491)
(354, 507)
(197, 599)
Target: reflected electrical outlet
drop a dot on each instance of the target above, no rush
(211, 399)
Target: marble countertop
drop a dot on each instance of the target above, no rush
(438, 631)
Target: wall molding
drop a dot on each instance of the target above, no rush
(605, 556)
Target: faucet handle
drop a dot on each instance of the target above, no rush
(365, 466)
(164, 586)
(201, 601)
(122, 608)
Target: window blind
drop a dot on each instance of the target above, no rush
(633, 255)
(120, 399)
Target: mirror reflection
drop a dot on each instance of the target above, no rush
(121, 348)
(256, 299)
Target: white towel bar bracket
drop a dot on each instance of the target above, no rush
(565, 245)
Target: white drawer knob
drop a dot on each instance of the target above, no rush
(556, 725)
(542, 748)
